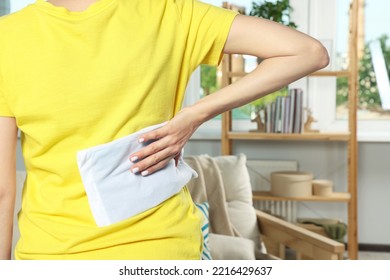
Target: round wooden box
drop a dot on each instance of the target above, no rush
(322, 187)
(291, 183)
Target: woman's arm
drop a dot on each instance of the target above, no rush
(8, 140)
(287, 54)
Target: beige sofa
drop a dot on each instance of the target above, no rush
(237, 229)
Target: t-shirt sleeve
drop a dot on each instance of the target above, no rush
(207, 28)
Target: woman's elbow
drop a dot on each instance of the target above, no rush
(318, 55)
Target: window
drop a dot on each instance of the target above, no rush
(328, 21)
(374, 56)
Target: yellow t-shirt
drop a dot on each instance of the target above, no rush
(74, 80)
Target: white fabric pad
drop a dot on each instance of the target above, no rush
(114, 192)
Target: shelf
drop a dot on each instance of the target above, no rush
(342, 136)
(336, 197)
(236, 74)
(345, 73)
(330, 74)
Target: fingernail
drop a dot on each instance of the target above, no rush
(141, 140)
(144, 173)
(134, 158)
(135, 170)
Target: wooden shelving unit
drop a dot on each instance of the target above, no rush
(336, 197)
(289, 137)
(350, 137)
(315, 74)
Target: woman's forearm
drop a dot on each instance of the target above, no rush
(271, 75)
(7, 204)
(8, 140)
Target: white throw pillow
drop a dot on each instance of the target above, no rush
(236, 178)
(238, 192)
(244, 220)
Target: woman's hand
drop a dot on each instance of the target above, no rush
(167, 143)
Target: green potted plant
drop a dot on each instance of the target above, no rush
(278, 11)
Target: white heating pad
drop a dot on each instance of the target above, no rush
(114, 192)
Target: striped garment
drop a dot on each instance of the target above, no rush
(204, 209)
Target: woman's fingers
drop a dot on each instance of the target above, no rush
(165, 143)
(153, 135)
(151, 169)
(155, 145)
(154, 157)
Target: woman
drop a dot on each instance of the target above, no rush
(79, 73)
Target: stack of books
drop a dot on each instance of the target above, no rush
(285, 114)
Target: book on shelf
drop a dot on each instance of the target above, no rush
(298, 114)
(278, 115)
(282, 114)
(285, 114)
(267, 114)
(292, 111)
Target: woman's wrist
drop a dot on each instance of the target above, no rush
(196, 115)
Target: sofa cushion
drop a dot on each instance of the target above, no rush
(244, 221)
(225, 247)
(235, 177)
(238, 193)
